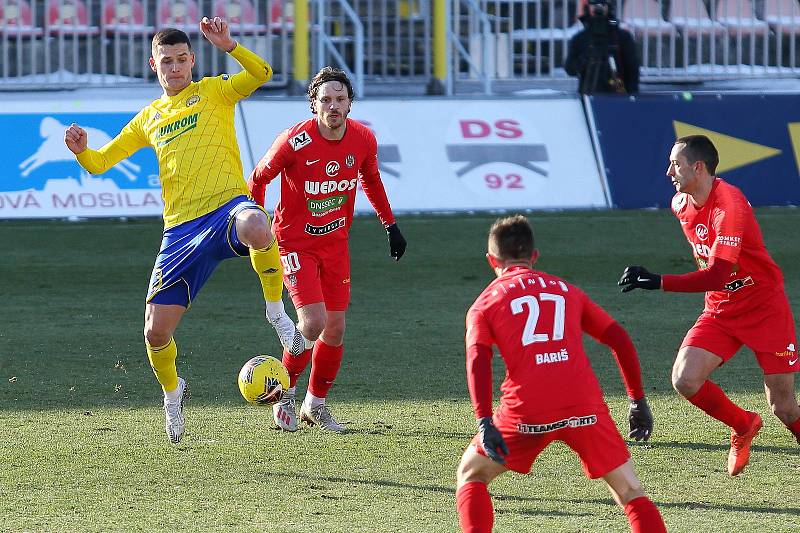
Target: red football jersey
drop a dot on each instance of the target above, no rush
(537, 321)
(726, 228)
(320, 178)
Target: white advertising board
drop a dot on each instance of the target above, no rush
(456, 155)
(435, 155)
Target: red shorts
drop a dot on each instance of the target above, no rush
(590, 432)
(769, 332)
(321, 275)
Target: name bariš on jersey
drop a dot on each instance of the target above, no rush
(552, 357)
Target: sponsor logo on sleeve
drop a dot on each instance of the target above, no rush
(327, 228)
(729, 240)
(737, 284)
(571, 422)
(300, 140)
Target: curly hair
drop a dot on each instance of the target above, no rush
(325, 75)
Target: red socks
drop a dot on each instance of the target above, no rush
(324, 367)
(295, 364)
(475, 511)
(713, 401)
(794, 427)
(644, 517)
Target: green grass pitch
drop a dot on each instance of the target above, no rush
(82, 444)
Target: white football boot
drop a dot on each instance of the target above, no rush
(320, 416)
(289, 336)
(285, 412)
(174, 414)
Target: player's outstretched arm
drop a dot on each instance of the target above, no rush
(638, 277)
(256, 70)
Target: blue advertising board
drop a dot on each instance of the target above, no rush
(40, 177)
(757, 136)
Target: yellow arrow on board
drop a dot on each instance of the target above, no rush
(733, 152)
(794, 134)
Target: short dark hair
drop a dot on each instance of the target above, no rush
(511, 238)
(169, 36)
(325, 75)
(699, 148)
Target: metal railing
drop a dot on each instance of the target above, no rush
(335, 45)
(69, 43)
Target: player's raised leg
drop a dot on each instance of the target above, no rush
(475, 472)
(325, 363)
(690, 375)
(625, 487)
(779, 389)
(253, 229)
(160, 322)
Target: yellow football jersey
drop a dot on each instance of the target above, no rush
(194, 138)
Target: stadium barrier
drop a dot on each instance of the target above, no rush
(454, 155)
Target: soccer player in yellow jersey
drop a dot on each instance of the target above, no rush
(208, 215)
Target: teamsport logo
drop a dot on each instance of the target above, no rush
(701, 231)
(572, 422)
(327, 228)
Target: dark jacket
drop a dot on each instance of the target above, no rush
(620, 44)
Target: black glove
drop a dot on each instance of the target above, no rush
(491, 440)
(397, 243)
(636, 277)
(640, 419)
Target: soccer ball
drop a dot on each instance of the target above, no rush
(263, 380)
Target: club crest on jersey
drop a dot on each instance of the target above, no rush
(701, 231)
(192, 100)
(349, 161)
(332, 168)
(300, 140)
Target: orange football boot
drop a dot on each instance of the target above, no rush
(739, 455)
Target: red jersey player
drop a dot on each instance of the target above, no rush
(550, 392)
(745, 302)
(322, 160)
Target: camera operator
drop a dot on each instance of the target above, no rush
(603, 55)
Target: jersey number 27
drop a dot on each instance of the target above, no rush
(529, 335)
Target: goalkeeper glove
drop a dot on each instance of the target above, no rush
(640, 419)
(491, 440)
(636, 277)
(257, 190)
(397, 243)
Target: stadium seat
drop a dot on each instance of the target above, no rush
(241, 16)
(16, 19)
(125, 16)
(691, 16)
(180, 14)
(644, 17)
(68, 18)
(782, 15)
(281, 16)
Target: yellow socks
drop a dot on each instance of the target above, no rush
(267, 264)
(162, 360)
